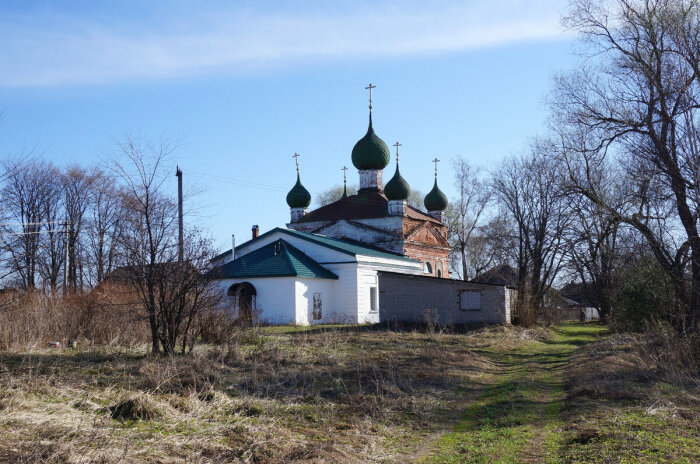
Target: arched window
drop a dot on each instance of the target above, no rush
(428, 268)
(438, 266)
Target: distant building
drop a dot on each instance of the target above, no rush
(577, 303)
(499, 275)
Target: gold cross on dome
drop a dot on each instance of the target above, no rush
(436, 161)
(296, 159)
(370, 87)
(397, 145)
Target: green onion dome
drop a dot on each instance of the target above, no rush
(397, 188)
(298, 196)
(370, 152)
(435, 200)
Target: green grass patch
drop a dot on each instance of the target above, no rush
(518, 416)
(632, 436)
(294, 329)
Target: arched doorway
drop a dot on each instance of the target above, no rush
(243, 296)
(246, 302)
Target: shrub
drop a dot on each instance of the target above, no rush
(645, 298)
(30, 320)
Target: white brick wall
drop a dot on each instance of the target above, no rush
(275, 298)
(305, 289)
(385, 233)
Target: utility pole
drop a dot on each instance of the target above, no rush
(180, 238)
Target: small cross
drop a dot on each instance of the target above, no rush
(345, 181)
(296, 159)
(370, 87)
(397, 145)
(436, 161)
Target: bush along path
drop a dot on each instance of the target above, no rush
(519, 416)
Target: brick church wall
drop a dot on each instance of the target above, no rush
(425, 247)
(414, 238)
(432, 255)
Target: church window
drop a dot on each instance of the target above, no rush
(439, 269)
(470, 300)
(373, 299)
(428, 268)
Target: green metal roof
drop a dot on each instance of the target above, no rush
(370, 152)
(435, 200)
(397, 188)
(343, 246)
(298, 196)
(277, 259)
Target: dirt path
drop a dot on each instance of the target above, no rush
(518, 416)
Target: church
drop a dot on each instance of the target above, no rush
(365, 258)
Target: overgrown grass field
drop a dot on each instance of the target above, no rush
(352, 394)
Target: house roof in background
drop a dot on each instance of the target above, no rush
(579, 293)
(498, 275)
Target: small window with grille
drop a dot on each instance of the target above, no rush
(470, 300)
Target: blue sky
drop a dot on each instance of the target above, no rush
(244, 85)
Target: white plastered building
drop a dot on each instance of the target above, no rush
(291, 277)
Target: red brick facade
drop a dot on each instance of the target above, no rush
(426, 241)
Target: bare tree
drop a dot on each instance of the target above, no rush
(334, 194)
(186, 292)
(149, 222)
(104, 224)
(170, 291)
(77, 183)
(633, 108)
(415, 198)
(25, 197)
(464, 218)
(53, 235)
(595, 253)
(528, 188)
(501, 236)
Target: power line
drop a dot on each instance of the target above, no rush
(32, 233)
(244, 183)
(30, 223)
(241, 182)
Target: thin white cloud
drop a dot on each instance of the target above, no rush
(56, 49)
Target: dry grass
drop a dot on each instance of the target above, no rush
(516, 334)
(634, 366)
(635, 395)
(355, 394)
(310, 396)
(31, 320)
